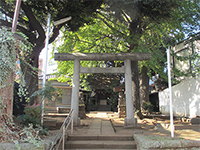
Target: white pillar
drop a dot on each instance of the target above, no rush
(129, 120)
(170, 93)
(45, 67)
(75, 91)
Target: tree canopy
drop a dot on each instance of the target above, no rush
(150, 27)
(32, 22)
(131, 26)
(134, 26)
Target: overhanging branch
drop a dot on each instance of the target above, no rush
(32, 20)
(54, 33)
(30, 35)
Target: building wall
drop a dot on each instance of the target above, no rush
(185, 48)
(186, 98)
(40, 65)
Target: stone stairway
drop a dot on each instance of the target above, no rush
(100, 135)
(54, 121)
(79, 142)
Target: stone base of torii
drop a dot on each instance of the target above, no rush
(126, 57)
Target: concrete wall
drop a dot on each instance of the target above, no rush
(186, 98)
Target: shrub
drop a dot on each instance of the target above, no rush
(32, 115)
(147, 106)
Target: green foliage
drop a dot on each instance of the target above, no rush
(32, 115)
(90, 105)
(160, 84)
(7, 55)
(92, 38)
(47, 92)
(10, 50)
(80, 11)
(32, 22)
(105, 82)
(11, 53)
(31, 135)
(147, 106)
(150, 27)
(114, 100)
(34, 139)
(17, 145)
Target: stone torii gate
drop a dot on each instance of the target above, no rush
(126, 69)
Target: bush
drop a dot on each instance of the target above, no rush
(32, 115)
(147, 106)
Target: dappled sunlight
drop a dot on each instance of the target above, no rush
(156, 128)
(189, 134)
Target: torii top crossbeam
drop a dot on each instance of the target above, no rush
(102, 56)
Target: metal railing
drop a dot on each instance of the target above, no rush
(61, 133)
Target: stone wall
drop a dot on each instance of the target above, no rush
(6, 96)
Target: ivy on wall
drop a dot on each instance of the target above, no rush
(8, 47)
(12, 53)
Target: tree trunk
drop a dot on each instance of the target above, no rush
(135, 29)
(30, 71)
(31, 78)
(144, 85)
(136, 91)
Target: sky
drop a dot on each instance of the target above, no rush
(52, 65)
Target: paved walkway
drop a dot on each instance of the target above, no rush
(101, 125)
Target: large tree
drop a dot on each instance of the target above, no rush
(152, 20)
(32, 22)
(104, 37)
(136, 26)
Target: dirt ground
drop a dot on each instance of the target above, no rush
(156, 127)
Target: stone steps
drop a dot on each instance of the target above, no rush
(100, 137)
(54, 120)
(101, 149)
(100, 142)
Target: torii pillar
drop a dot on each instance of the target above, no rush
(130, 119)
(75, 92)
(126, 57)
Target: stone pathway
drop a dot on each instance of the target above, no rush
(100, 134)
(101, 125)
